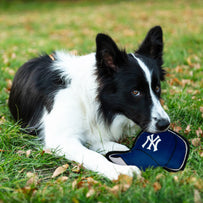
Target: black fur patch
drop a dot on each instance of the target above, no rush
(34, 87)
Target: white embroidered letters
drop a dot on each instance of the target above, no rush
(152, 142)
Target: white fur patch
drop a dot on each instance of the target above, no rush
(73, 125)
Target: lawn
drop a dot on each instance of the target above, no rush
(30, 28)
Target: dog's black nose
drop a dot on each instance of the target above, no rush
(162, 124)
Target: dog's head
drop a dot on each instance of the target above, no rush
(130, 84)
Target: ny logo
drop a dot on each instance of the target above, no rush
(152, 142)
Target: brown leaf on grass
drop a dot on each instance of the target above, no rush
(114, 190)
(159, 176)
(179, 69)
(20, 152)
(162, 102)
(74, 184)
(176, 179)
(192, 61)
(197, 182)
(123, 183)
(157, 186)
(201, 110)
(193, 92)
(196, 142)
(90, 193)
(62, 179)
(2, 119)
(197, 196)
(76, 168)
(174, 81)
(28, 152)
(187, 130)
(10, 71)
(201, 153)
(27, 190)
(46, 151)
(8, 85)
(184, 82)
(33, 179)
(91, 181)
(199, 132)
(175, 127)
(60, 170)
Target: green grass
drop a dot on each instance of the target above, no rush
(34, 27)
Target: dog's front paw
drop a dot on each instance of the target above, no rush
(125, 170)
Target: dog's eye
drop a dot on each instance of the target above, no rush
(157, 89)
(135, 93)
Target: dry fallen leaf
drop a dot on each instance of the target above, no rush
(9, 84)
(157, 186)
(90, 192)
(174, 81)
(201, 110)
(115, 189)
(196, 142)
(2, 119)
(46, 151)
(60, 170)
(197, 197)
(28, 152)
(197, 182)
(199, 132)
(179, 69)
(20, 152)
(91, 181)
(201, 153)
(175, 127)
(74, 184)
(76, 168)
(62, 179)
(10, 71)
(159, 176)
(175, 178)
(33, 179)
(123, 183)
(27, 190)
(187, 130)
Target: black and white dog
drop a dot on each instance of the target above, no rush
(80, 101)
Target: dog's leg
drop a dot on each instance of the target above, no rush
(75, 151)
(105, 147)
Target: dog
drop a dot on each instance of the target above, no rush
(81, 105)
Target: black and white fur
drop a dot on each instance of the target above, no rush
(80, 101)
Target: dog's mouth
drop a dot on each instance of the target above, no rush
(150, 128)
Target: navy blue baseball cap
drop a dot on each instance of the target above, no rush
(166, 149)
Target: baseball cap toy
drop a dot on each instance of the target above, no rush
(166, 149)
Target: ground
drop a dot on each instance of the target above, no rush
(30, 174)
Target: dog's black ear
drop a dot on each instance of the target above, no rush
(108, 55)
(152, 46)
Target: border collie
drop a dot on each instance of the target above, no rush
(82, 104)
